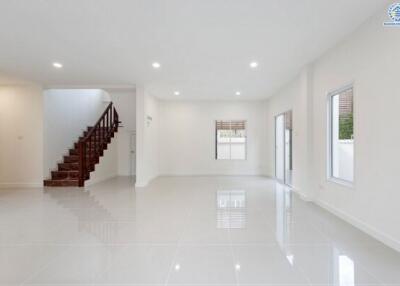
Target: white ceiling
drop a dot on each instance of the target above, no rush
(204, 46)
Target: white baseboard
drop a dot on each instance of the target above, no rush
(141, 184)
(20, 185)
(98, 180)
(211, 175)
(382, 237)
(144, 183)
(303, 196)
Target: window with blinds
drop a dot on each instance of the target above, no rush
(230, 140)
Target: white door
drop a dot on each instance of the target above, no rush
(280, 147)
(133, 154)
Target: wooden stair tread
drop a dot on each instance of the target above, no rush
(61, 183)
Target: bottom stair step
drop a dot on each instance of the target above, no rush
(61, 183)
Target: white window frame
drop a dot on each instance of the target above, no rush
(329, 156)
(216, 140)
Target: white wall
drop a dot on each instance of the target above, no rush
(67, 113)
(21, 135)
(343, 168)
(369, 59)
(147, 137)
(187, 137)
(123, 138)
(125, 103)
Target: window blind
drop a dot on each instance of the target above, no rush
(231, 125)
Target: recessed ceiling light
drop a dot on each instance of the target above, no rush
(57, 65)
(253, 65)
(177, 93)
(238, 93)
(156, 65)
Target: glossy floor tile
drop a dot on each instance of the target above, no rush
(183, 231)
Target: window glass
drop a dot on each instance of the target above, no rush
(342, 135)
(231, 140)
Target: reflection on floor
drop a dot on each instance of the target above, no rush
(231, 209)
(183, 231)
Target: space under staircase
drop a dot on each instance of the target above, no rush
(82, 159)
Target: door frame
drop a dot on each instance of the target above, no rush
(284, 181)
(131, 156)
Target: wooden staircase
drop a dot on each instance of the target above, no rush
(82, 159)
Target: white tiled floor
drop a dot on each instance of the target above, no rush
(183, 231)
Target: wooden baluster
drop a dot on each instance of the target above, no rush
(113, 119)
(92, 146)
(96, 139)
(80, 163)
(84, 160)
(107, 124)
(87, 147)
(102, 132)
(104, 129)
(91, 150)
(110, 124)
(110, 121)
(100, 139)
(93, 139)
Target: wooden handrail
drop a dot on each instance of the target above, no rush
(98, 121)
(91, 146)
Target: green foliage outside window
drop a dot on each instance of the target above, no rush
(346, 127)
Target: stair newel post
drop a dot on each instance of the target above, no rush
(116, 119)
(82, 165)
